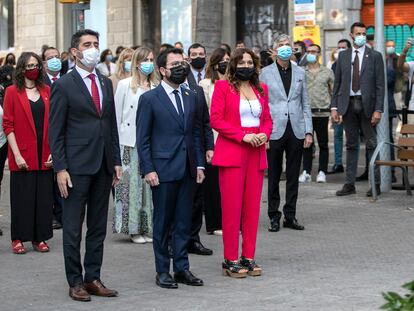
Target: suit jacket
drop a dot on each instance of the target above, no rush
(225, 119)
(202, 113)
(295, 107)
(372, 82)
(79, 138)
(18, 119)
(165, 142)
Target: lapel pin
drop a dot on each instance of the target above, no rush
(186, 93)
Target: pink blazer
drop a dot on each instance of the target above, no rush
(225, 119)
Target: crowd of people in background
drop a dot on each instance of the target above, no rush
(180, 134)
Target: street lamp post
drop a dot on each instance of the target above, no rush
(383, 127)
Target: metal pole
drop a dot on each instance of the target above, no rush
(383, 126)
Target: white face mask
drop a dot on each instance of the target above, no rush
(90, 57)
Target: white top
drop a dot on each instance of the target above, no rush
(169, 90)
(126, 105)
(361, 52)
(3, 138)
(85, 77)
(195, 73)
(250, 111)
(410, 81)
(103, 69)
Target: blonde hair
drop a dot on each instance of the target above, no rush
(120, 70)
(138, 57)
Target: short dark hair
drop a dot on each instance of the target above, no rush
(357, 24)
(314, 44)
(166, 45)
(74, 43)
(301, 43)
(47, 49)
(104, 54)
(195, 46)
(119, 49)
(370, 37)
(162, 57)
(348, 43)
(21, 68)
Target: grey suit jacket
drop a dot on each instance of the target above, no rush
(294, 107)
(372, 82)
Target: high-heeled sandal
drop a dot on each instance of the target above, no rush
(250, 264)
(41, 247)
(233, 269)
(18, 247)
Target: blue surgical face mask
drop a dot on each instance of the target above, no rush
(109, 58)
(127, 66)
(147, 68)
(54, 64)
(311, 58)
(360, 40)
(390, 50)
(284, 52)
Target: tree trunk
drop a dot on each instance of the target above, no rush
(208, 23)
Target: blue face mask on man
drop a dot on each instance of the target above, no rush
(54, 64)
(311, 58)
(284, 52)
(360, 40)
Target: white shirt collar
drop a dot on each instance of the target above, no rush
(168, 88)
(195, 72)
(361, 50)
(85, 74)
(51, 77)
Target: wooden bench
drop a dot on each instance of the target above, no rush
(404, 158)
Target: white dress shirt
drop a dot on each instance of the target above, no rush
(51, 77)
(85, 77)
(195, 74)
(246, 116)
(361, 52)
(169, 90)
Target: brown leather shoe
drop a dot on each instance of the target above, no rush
(79, 293)
(98, 289)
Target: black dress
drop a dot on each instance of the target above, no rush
(31, 192)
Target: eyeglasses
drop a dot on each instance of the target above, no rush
(32, 66)
(176, 64)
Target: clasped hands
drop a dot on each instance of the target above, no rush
(255, 140)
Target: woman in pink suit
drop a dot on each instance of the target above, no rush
(240, 114)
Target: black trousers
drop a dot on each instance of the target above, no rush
(57, 202)
(197, 213)
(3, 157)
(293, 147)
(31, 204)
(212, 199)
(172, 222)
(320, 128)
(91, 191)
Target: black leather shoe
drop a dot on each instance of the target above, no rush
(199, 249)
(274, 225)
(165, 280)
(337, 169)
(186, 277)
(369, 193)
(293, 224)
(362, 177)
(56, 225)
(1, 232)
(347, 189)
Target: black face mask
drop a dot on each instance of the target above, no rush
(222, 67)
(198, 63)
(245, 73)
(178, 75)
(298, 55)
(187, 69)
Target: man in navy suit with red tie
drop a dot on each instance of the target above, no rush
(169, 148)
(83, 139)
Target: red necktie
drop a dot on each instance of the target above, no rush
(95, 93)
(54, 79)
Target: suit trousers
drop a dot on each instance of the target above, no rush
(197, 213)
(320, 127)
(172, 218)
(355, 121)
(293, 147)
(338, 142)
(91, 191)
(241, 191)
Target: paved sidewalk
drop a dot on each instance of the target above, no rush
(350, 252)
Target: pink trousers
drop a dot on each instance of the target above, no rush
(241, 191)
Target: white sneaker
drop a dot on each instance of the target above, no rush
(137, 238)
(305, 177)
(321, 178)
(218, 232)
(147, 239)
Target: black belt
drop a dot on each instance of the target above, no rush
(356, 97)
(321, 110)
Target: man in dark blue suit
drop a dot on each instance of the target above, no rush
(169, 148)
